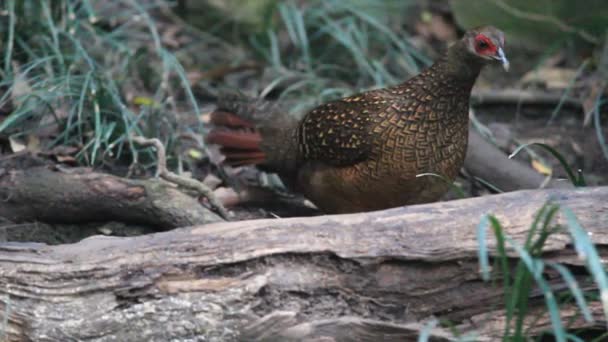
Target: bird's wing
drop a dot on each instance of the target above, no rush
(339, 132)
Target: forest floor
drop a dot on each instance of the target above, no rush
(558, 120)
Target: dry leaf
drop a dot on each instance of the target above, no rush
(144, 101)
(33, 143)
(105, 230)
(541, 168)
(66, 160)
(16, 144)
(195, 154)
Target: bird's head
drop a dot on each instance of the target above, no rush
(488, 43)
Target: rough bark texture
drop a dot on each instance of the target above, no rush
(357, 277)
(79, 195)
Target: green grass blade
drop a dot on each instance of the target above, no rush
(8, 54)
(482, 250)
(588, 253)
(603, 337)
(172, 63)
(524, 283)
(535, 268)
(489, 185)
(98, 130)
(576, 181)
(567, 91)
(571, 337)
(149, 22)
(274, 49)
(501, 255)
(425, 333)
(574, 289)
(54, 44)
(598, 127)
(458, 190)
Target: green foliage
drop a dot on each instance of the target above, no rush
(538, 23)
(426, 331)
(577, 179)
(68, 66)
(529, 270)
(332, 47)
(587, 252)
(253, 13)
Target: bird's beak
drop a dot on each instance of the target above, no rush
(500, 56)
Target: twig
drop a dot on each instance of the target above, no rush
(163, 172)
(517, 96)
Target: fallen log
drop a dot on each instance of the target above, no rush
(356, 277)
(80, 195)
(488, 162)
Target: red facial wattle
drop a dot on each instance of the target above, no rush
(484, 45)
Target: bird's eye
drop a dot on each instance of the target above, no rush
(482, 44)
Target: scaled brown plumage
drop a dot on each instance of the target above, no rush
(364, 152)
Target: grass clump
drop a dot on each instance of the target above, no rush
(528, 273)
(326, 49)
(88, 75)
(576, 178)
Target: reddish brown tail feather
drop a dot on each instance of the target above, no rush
(221, 118)
(240, 147)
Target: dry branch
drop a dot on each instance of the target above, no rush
(519, 97)
(79, 195)
(328, 278)
(189, 183)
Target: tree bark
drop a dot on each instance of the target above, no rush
(357, 277)
(79, 195)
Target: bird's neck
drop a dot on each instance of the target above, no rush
(458, 67)
(461, 64)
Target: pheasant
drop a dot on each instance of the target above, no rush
(367, 151)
